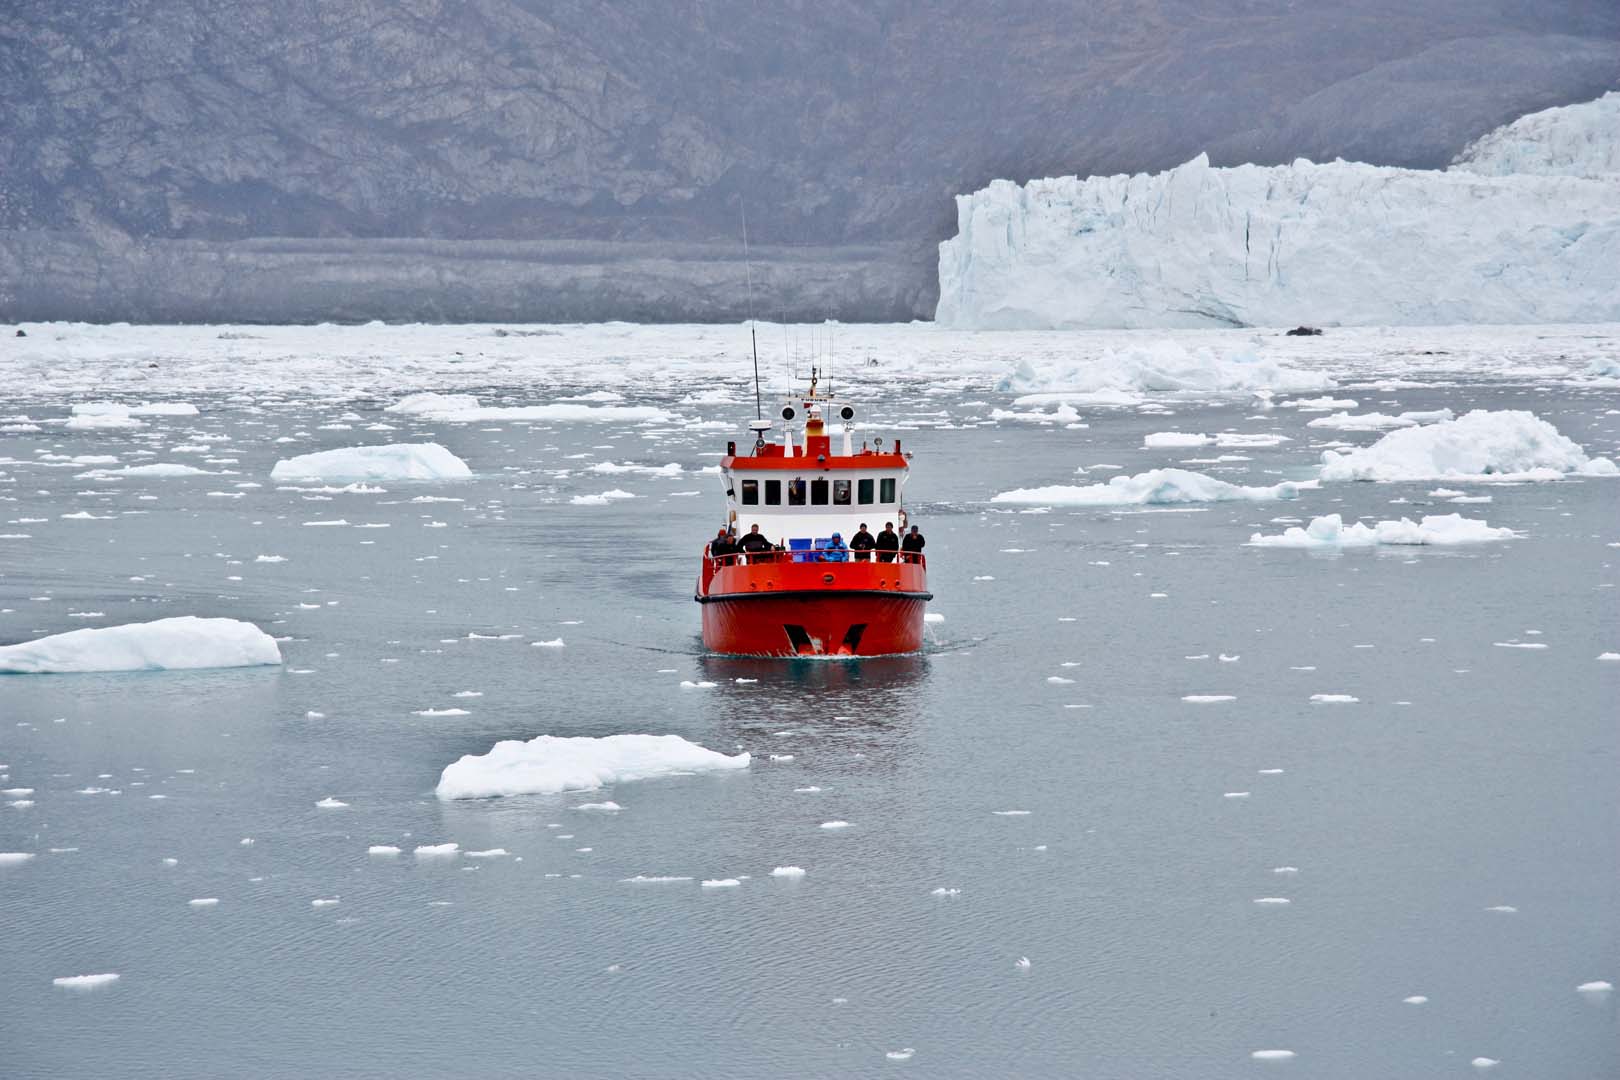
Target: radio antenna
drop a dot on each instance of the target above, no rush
(748, 270)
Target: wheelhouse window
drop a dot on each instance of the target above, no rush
(750, 492)
(886, 491)
(864, 490)
(796, 490)
(818, 493)
(773, 493)
(840, 492)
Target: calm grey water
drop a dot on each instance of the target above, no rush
(1468, 776)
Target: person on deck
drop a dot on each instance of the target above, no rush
(721, 545)
(888, 542)
(835, 550)
(862, 544)
(913, 542)
(754, 543)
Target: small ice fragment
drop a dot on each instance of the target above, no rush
(701, 684)
(720, 883)
(835, 825)
(246, 841)
(1285, 869)
(1609, 656)
(782, 757)
(330, 803)
(1010, 813)
(487, 853)
(1207, 699)
(15, 858)
(204, 901)
(85, 982)
(1334, 699)
(1599, 987)
(1484, 1062)
(1272, 1055)
(1058, 680)
(943, 891)
(430, 851)
(811, 790)
(1235, 795)
(788, 872)
(900, 1055)
(1505, 909)
(554, 643)
(1415, 999)
(382, 849)
(1022, 963)
(1223, 658)
(1273, 900)
(610, 805)
(171, 861)
(654, 879)
(1270, 772)
(321, 902)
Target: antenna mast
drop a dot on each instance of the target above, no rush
(748, 270)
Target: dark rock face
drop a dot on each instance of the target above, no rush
(556, 159)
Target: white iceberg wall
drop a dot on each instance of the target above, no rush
(395, 461)
(164, 644)
(1571, 140)
(548, 764)
(1339, 243)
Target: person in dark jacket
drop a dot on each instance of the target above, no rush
(862, 544)
(888, 542)
(721, 545)
(913, 541)
(754, 542)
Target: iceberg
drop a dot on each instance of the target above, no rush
(1158, 487)
(1163, 366)
(1377, 421)
(1525, 228)
(1441, 530)
(165, 644)
(1502, 445)
(395, 461)
(548, 765)
(465, 409)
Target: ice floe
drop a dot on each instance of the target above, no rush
(1439, 530)
(788, 872)
(1153, 488)
(549, 764)
(1483, 444)
(465, 409)
(393, 461)
(181, 642)
(86, 982)
(1164, 366)
(1376, 421)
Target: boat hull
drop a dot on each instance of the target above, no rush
(781, 607)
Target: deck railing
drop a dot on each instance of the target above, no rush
(837, 556)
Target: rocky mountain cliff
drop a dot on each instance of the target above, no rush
(523, 159)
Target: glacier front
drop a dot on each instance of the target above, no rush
(1523, 228)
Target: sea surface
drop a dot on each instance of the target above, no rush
(1033, 786)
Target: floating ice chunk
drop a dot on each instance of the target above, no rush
(811, 790)
(330, 803)
(933, 617)
(602, 499)
(1273, 900)
(1022, 963)
(1504, 909)
(101, 422)
(549, 764)
(1010, 813)
(1235, 795)
(16, 792)
(720, 883)
(491, 853)
(834, 825)
(1160, 440)
(609, 806)
(204, 901)
(1158, 487)
(701, 684)
(782, 757)
(1272, 1055)
(465, 409)
(654, 879)
(86, 982)
(321, 902)
(437, 851)
(442, 712)
(1609, 656)
(554, 643)
(1376, 421)
(15, 858)
(1058, 680)
(1435, 529)
(182, 642)
(156, 470)
(1599, 987)
(788, 872)
(1415, 999)
(903, 1054)
(1334, 699)
(246, 841)
(270, 558)
(1285, 869)
(943, 891)
(1482, 444)
(395, 461)
(1484, 1062)
(1519, 644)
(1160, 366)
(1207, 699)
(382, 849)
(164, 408)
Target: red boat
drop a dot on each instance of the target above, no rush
(801, 598)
